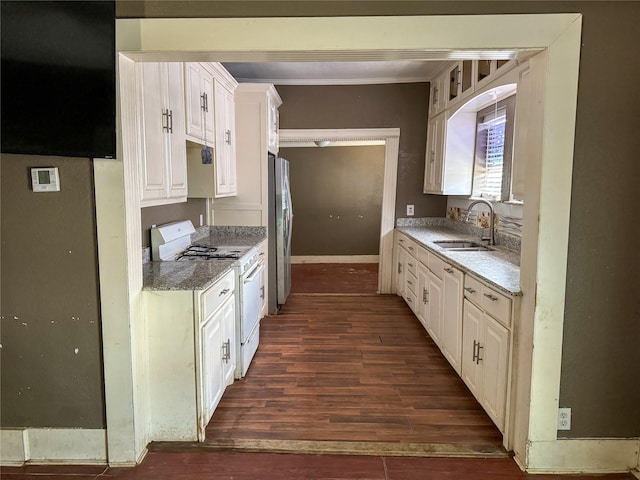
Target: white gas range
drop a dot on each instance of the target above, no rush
(172, 242)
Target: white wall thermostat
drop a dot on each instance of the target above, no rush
(45, 179)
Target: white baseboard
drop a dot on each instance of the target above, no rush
(598, 455)
(336, 259)
(53, 445)
(636, 473)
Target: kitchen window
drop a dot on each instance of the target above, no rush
(494, 151)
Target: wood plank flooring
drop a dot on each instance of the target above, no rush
(351, 369)
(338, 278)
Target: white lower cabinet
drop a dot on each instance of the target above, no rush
(468, 320)
(423, 295)
(451, 336)
(190, 342)
(434, 324)
(486, 345)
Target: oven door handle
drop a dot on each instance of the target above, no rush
(254, 273)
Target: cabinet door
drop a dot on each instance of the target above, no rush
(225, 143)
(451, 333)
(400, 270)
(423, 295)
(194, 100)
(177, 158)
(229, 340)
(213, 385)
(494, 356)
(471, 334)
(153, 125)
(435, 307)
(434, 154)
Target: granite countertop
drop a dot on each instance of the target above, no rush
(499, 268)
(200, 274)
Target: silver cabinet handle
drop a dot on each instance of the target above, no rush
(165, 120)
(170, 121)
(425, 296)
(448, 270)
(401, 240)
(410, 264)
(411, 248)
(469, 289)
(476, 352)
(399, 267)
(409, 282)
(491, 297)
(228, 134)
(223, 292)
(262, 292)
(226, 351)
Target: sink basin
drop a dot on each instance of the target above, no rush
(462, 246)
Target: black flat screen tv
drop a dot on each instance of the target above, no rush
(57, 78)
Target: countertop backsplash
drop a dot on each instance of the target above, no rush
(512, 242)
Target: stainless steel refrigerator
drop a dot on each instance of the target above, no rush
(279, 229)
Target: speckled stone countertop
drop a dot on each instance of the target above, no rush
(195, 274)
(499, 268)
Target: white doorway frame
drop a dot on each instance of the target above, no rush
(444, 37)
(363, 136)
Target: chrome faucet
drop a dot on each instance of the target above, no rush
(491, 238)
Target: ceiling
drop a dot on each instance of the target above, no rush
(335, 73)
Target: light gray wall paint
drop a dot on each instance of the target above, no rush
(337, 199)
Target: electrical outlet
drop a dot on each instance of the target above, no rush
(564, 418)
(410, 210)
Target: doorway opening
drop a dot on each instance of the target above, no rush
(389, 137)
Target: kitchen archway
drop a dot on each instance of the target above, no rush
(389, 137)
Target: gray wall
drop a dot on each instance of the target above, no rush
(403, 105)
(189, 210)
(337, 199)
(51, 353)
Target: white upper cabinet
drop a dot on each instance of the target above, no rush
(218, 178)
(199, 103)
(225, 157)
(163, 165)
(256, 135)
(459, 81)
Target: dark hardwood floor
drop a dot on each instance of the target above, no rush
(334, 374)
(337, 278)
(351, 369)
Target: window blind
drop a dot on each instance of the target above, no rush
(487, 180)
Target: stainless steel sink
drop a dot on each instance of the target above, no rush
(462, 246)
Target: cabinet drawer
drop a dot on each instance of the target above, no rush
(412, 282)
(412, 265)
(473, 290)
(423, 255)
(497, 305)
(217, 294)
(435, 264)
(411, 300)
